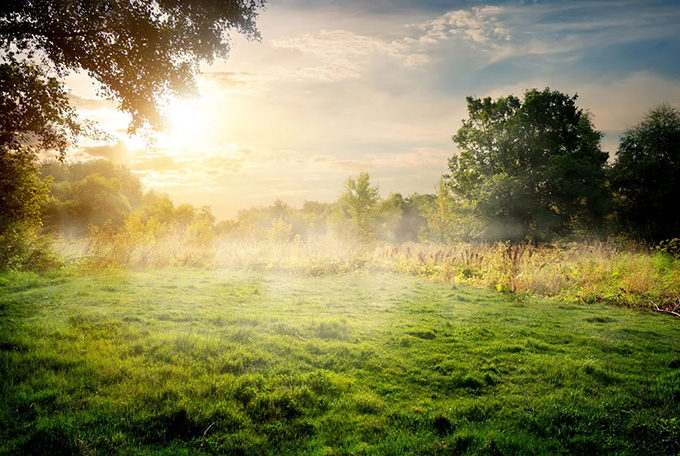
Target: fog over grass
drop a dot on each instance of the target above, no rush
(196, 361)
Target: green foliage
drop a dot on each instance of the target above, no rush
(155, 235)
(358, 208)
(645, 176)
(280, 231)
(670, 247)
(21, 193)
(528, 169)
(358, 215)
(448, 219)
(35, 116)
(89, 194)
(402, 219)
(68, 173)
(141, 53)
(187, 361)
(34, 107)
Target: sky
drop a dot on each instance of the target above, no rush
(336, 88)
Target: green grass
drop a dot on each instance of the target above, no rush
(184, 361)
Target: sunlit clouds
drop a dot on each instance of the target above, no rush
(331, 91)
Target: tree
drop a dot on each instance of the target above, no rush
(359, 203)
(645, 177)
(93, 201)
(529, 169)
(444, 215)
(21, 193)
(34, 115)
(413, 221)
(141, 53)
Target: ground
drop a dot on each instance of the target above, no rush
(192, 361)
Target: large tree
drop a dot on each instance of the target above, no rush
(645, 177)
(529, 169)
(141, 52)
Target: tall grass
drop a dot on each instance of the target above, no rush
(631, 275)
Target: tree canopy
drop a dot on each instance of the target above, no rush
(646, 176)
(529, 168)
(141, 53)
(359, 203)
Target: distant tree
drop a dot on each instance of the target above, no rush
(402, 219)
(645, 177)
(74, 207)
(77, 199)
(529, 169)
(184, 215)
(280, 231)
(359, 204)
(64, 172)
(391, 211)
(314, 216)
(443, 215)
(413, 221)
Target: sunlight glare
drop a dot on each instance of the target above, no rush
(188, 123)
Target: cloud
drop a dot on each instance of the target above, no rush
(480, 25)
(159, 163)
(118, 152)
(225, 161)
(342, 54)
(227, 81)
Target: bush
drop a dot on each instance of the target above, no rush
(24, 248)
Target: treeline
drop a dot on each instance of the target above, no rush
(359, 214)
(532, 169)
(88, 198)
(528, 170)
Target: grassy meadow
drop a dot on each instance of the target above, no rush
(268, 361)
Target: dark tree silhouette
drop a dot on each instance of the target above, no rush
(529, 169)
(140, 52)
(646, 176)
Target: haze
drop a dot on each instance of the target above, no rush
(337, 88)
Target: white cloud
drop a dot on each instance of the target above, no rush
(341, 54)
(477, 25)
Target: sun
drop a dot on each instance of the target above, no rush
(188, 122)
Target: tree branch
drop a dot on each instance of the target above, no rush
(667, 311)
(28, 29)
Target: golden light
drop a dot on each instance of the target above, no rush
(188, 123)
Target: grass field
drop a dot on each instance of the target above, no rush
(189, 361)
